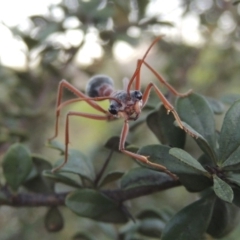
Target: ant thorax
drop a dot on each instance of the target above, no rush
(131, 104)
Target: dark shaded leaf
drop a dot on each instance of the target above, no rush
(78, 163)
(236, 199)
(60, 177)
(149, 213)
(53, 220)
(229, 138)
(161, 124)
(138, 177)
(92, 204)
(193, 179)
(191, 222)
(83, 236)
(111, 177)
(35, 181)
(233, 177)
(196, 112)
(205, 161)
(222, 189)
(113, 143)
(3, 198)
(236, 2)
(17, 165)
(224, 219)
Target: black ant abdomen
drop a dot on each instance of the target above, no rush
(99, 86)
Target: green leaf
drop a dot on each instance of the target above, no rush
(92, 204)
(56, 145)
(191, 222)
(111, 177)
(233, 177)
(196, 112)
(161, 124)
(151, 227)
(139, 177)
(230, 98)
(60, 177)
(35, 182)
(222, 189)
(192, 178)
(229, 139)
(79, 164)
(187, 159)
(233, 161)
(152, 222)
(17, 165)
(225, 218)
(216, 106)
(53, 220)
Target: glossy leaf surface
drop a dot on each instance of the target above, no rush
(191, 222)
(161, 124)
(60, 177)
(192, 178)
(138, 177)
(224, 219)
(78, 163)
(196, 112)
(222, 189)
(229, 139)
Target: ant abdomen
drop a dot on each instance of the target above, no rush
(99, 86)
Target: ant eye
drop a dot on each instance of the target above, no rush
(112, 110)
(138, 95)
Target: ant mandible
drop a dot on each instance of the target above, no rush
(125, 103)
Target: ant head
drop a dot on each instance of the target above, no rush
(114, 108)
(136, 95)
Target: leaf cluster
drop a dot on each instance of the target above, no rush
(214, 174)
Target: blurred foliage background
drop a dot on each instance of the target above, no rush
(75, 39)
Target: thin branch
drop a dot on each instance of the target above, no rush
(58, 199)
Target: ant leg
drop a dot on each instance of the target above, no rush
(167, 105)
(139, 157)
(141, 61)
(64, 84)
(164, 82)
(79, 114)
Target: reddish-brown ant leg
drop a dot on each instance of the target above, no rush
(139, 157)
(159, 77)
(138, 81)
(140, 62)
(164, 82)
(67, 85)
(79, 114)
(166, 104)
